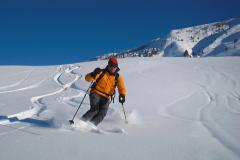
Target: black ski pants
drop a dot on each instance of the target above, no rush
(98, 109)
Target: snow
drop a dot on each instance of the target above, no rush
(177, 109)
(213, 39)
(204, 40)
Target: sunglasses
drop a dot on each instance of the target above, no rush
(113, 65)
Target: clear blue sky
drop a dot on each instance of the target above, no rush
(41, 32)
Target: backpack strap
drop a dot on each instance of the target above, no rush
(100, 77)
(115, 85)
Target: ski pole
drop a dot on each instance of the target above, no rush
(71, 121)
(124, 114)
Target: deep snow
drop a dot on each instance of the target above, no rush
(177, 108)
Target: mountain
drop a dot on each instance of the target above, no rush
(214, 39)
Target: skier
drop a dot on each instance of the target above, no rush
(103, 91)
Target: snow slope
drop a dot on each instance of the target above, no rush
(177, 108)
(212, 39)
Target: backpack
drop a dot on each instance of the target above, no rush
(115, 85)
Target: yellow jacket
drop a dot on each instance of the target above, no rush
(106, 84)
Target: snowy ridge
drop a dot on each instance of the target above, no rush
(214, 39)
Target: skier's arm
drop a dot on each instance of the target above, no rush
(121, 86)
(89, 78)
(93, 75)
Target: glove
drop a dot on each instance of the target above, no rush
(95, 72)
(121, 98)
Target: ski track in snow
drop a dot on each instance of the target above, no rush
(37, 105)
(232, 109)
(16, 129)
(23, 88)
(207, 118)
(25, 114)
(226, 78)
(17, 83)
(164, 110)
(37, 101)
(215, 129)
(204, 115)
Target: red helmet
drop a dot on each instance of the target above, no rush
(113, 62)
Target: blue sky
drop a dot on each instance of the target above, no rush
(44, 32)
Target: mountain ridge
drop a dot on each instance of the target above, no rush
(212, 39)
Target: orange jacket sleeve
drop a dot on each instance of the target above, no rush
(89, 78)
(121, 86)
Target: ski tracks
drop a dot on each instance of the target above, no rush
(217, 113)
(17, 83)
(218, 108)
(168, 109)
(38, 106)
(20, 82)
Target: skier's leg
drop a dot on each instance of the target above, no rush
(94, 109)
(103, 108)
